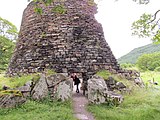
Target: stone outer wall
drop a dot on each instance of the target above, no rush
(69, 42)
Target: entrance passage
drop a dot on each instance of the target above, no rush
(79, 106)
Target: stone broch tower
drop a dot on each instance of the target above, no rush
(66, 37)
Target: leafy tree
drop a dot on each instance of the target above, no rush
(147, 26)
(149, 61)
(126, 65)
(8, 36)
(8, 30)
(6, 49)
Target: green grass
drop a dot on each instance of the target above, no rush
(16, 81)
(141, 105)
(46, 110)
(34, 110)
(105, 74)
(149, 75)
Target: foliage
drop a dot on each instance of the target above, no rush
(127, 65)
(132, 56)
(44, 110)
(147, 26)
(140, 105)
(104, 74)
(59, 9)
(8, 30)
(149, 61)
(49, 71)
(8, 35)
(6, 49)
(157, 69)
(141, 28)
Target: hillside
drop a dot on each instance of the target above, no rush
(132, 56)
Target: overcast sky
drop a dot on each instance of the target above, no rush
(115, 17)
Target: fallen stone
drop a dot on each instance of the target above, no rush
(97, 89)
(120, 85)
(98, 92)
(114, 98)
(40, 89)
(11, 100)
(139, 81)
(55, 79)
(25, 90)
(64, 90)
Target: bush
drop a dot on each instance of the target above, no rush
(148, 61)
(157, 69)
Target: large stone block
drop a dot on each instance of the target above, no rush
(98, 92)
(64, 90)
(40, 90)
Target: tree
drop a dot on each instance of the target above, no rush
(8, 36)
(148, 25)
(149, 61)
(8, 30)
(6, 49)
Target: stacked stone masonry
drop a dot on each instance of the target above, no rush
(69, 42)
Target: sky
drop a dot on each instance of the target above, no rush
(116, 19)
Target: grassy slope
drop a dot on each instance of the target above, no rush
(150, 75)
(34, 110)
(142, 104)
(16, 81)
(132, 56)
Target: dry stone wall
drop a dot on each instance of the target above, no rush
(69, 42)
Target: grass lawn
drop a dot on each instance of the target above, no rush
(33, 110)
(16, 81)
(149, 75)
(142, 105)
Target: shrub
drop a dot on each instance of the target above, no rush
(157, 69)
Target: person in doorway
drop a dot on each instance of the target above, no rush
(76, 82)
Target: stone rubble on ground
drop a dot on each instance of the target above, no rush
(56, 86)
(98, 92)
(9, 101)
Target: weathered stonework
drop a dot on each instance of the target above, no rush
(69, 42)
